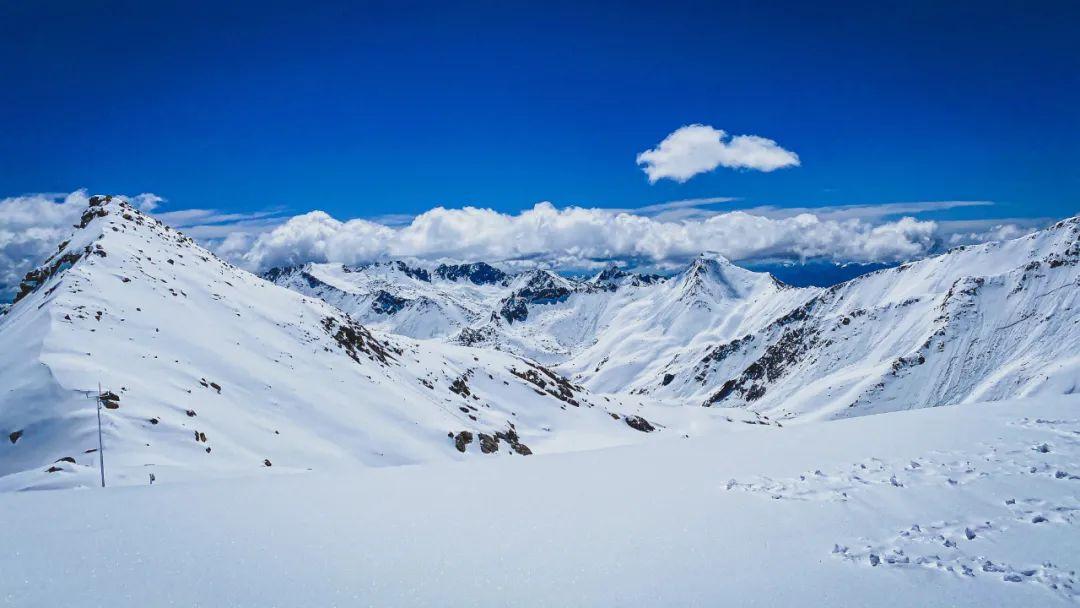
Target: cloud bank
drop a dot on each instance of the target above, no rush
(32, 225)
(30, 229)
(575, 236)
(663, 236)
(695, 149)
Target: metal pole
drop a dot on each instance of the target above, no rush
(101, 445)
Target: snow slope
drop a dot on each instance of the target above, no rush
(986, 322)
(215, 372)
(640, 322)
(645, 334)
(971, 505)
(397, 297)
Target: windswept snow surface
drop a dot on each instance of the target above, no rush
(969, 505)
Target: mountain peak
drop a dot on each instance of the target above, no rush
(713, 274)
(479, 273)
(613, 277)
(217, 372)
(714, 257)
(83, 242)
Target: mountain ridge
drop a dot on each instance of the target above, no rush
(716, 333)
(214, 372)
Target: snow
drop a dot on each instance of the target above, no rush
(747, 515)
(910, 437)
(977, 323)
(980, 323)
(219, 372)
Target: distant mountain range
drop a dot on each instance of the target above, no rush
(982, 322)
(211, 371)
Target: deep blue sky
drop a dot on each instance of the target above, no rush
(370, 108)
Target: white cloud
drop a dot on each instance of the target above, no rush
(211, 225)
(146, 201)
(695, 149)
(988, 232)
(575, 236)
(701, 208)
(663, 235)
(873, 211)
(32, 225)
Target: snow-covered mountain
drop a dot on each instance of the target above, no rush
(540, 313)
(208, 370)
(985, 322)
(211, 371)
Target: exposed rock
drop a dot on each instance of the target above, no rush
(460, 386)
(555, 385)
(355, 338)
(462, 440)
(110, 400)
(473, 337)
(417, 273)
(37, 277)
(514, 309)
(479, 273)
(90, 214)
(386, 303)
(543, 287)
(613, 277)
(792, 346)
(640, 424)
(718, 354)
(510, 436)
(274, 274)
(488, 444)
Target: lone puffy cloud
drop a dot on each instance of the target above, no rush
(695, 149)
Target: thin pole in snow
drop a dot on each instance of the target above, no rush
(101, 445)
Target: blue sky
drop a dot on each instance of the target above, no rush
(388, 110)
(366, 108)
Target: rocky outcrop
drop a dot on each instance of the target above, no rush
(355, 340)
(478, 273)
(639, 424)
(386, 303)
